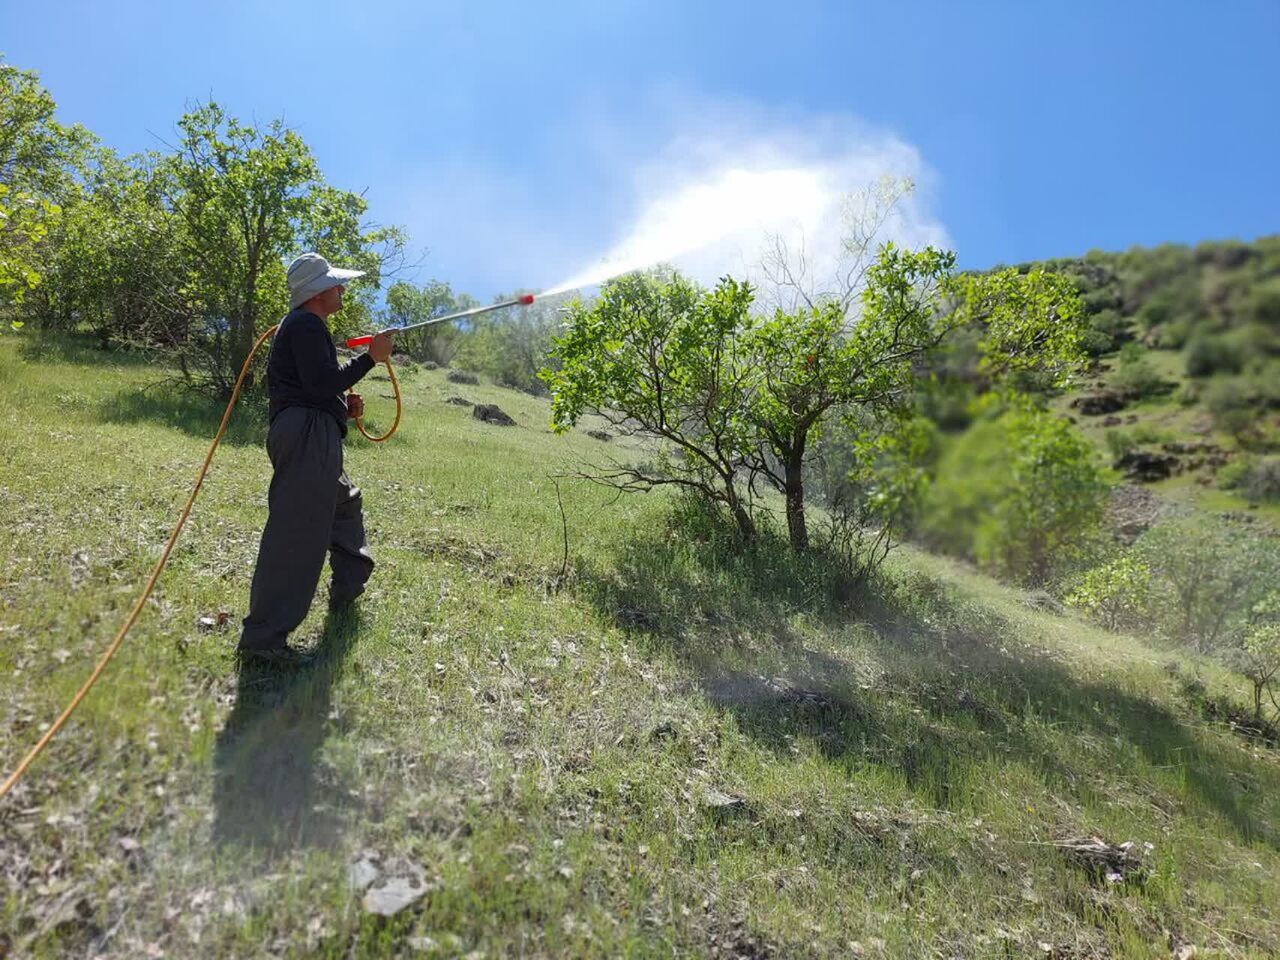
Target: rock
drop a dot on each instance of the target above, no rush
(1044, 601)
(600, 435)
(491, 413)
(460, 402)
(362, 873)
(1096, 404)
(430, 365)
(719, 800)
(1191, 446)
(1147, 467)
(389, 898)
(461, 376)
(1112, 421)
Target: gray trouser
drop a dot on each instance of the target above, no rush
(313, 508)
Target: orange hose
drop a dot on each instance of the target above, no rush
(136, 612)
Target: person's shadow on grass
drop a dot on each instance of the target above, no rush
(270, 790)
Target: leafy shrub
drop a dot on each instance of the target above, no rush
(1262, 480)
(1208, 354)
(1120, 442)
(1226, 395)
(1265, 306)
(1116, 594)
(1189, 395)
(1022, 494)
(1148, 433)
(1135, 374)
(1232, 475)
(1107, 330)
(1206, 580)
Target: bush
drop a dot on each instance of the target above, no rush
(1022, 494)
(1136, 376)
(1206, 580)
(1107, 330)
(1232, 475)
(1116, 594)
(1225, 396)
(1262, 480)
(1120, 442)
(1265, 306)
(1208, 354)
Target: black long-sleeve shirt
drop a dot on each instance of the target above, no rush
(303, 370)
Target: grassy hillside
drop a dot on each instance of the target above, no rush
(1188, 348)
(669, 751)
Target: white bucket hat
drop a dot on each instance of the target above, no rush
(311, 274)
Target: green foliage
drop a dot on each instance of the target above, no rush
(1117, 594)
(1107, 329)
(513, 347)
(1135, 375)
(1265, 307)
(1262, 480)
(408, 304)
(1051, 504)
(659, 356)
(1033, 322)
(247, 197)
(185, 252)
(1207, 578)
(1258, 659)
(814, 360)
(741, 395)
(1208, 354)
(1232, 475)
(37, 164)
(1021, 493)
(1120, 442)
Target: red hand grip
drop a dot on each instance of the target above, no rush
(359, 342)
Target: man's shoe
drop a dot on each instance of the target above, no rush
(283, 656)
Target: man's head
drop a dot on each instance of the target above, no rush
(314, 284)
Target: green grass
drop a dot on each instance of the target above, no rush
(553, 757)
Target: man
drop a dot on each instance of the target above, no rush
(313, 508)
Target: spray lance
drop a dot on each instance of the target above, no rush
(461, 314)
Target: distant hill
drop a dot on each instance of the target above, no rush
(1185, 393)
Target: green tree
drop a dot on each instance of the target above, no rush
(1116, 594)
(659, 357)
(818, 359)
(248, 197)
(514, 346)
(814, 360)
(1052, 501)
(409, 304)
(38, 163)
(1208, 577)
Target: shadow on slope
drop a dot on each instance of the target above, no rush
(952, 691)
(270, 789)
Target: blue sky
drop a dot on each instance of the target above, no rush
(519, 141)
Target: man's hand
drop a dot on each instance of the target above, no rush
(355, 406)
(380, 348)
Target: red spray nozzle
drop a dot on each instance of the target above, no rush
(359, 342)
(527, 299)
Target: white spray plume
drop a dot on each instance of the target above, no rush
(750, 184)
(700, 216)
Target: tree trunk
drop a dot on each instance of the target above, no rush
(746, 526)
(793, 477)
